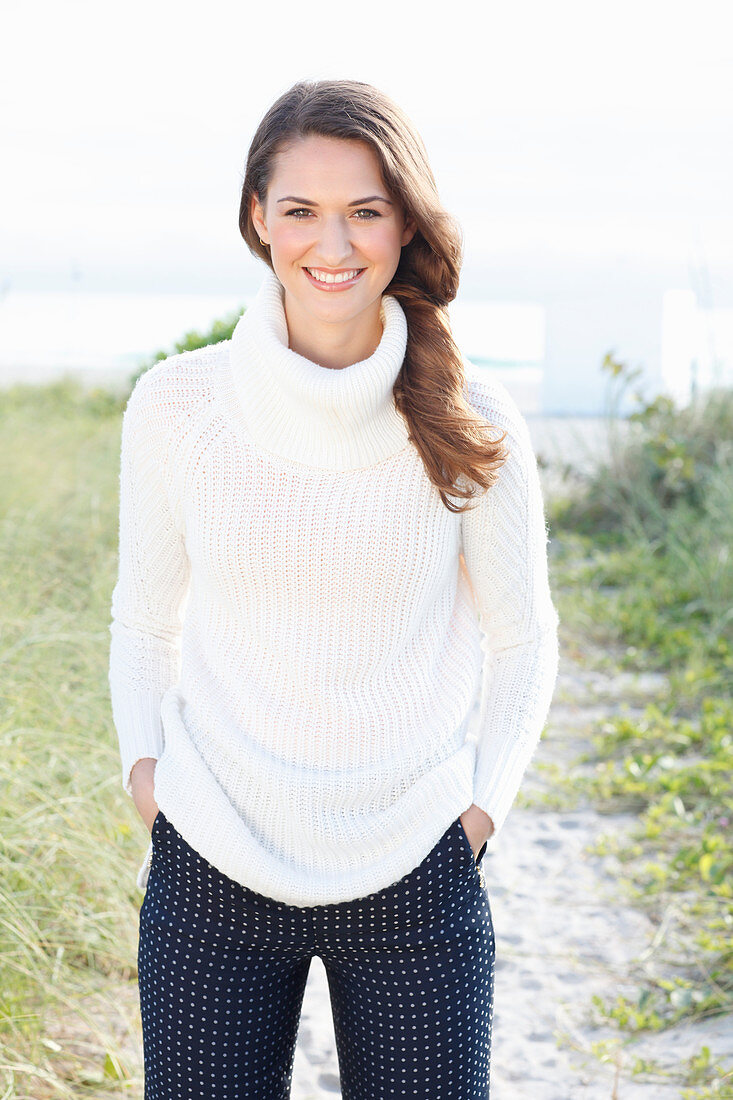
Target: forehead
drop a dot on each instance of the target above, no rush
(330, 167)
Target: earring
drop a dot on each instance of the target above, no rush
(262, 243)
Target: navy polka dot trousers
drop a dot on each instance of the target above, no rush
(222, 972)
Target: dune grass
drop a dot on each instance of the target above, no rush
(68, 834)
(647, 539)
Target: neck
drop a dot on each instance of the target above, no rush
(291, 406)
(330, 344)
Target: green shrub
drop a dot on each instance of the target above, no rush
(220, 329)
(672, 466)
(657, 523)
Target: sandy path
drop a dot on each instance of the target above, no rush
(563, 934)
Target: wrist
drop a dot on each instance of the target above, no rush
(142, 779)
(484, 818)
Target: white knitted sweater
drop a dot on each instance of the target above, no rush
(293, 637)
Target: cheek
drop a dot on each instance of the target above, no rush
(290, 239)
(383, 244)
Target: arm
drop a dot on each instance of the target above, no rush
(151, 587)
(505, 551)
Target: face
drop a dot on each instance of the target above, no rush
(335, 232)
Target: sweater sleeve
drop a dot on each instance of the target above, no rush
(151, 588)
(505, 550)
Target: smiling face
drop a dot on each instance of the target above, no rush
(335, 232)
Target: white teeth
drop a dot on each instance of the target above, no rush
(324, 277)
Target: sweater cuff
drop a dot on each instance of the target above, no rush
(521, 682)
(140, 732)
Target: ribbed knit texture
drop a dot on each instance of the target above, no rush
(292, 636)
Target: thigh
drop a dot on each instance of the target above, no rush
(411, 976)
(219, 1011)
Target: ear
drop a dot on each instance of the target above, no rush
(409, 231)
(258, 219)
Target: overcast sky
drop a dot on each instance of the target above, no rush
(569, 138)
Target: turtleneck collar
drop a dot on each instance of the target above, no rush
(334, 418)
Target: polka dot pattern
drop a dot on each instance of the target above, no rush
(222, 972)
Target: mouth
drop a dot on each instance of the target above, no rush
(332, 281)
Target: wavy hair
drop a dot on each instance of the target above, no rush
(455, 444)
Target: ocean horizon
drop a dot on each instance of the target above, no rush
(109, 336)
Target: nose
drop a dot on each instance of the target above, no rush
(334, 245)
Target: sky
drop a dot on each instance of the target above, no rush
(585, 149)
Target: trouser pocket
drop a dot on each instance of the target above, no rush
(475, 859)
(143, 873)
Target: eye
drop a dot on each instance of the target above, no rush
(301, 210)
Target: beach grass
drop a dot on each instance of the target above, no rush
(68, 833)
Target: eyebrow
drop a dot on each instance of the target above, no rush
(359, 202)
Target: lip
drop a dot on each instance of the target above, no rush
(332, 287)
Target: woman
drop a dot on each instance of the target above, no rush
(333, 640)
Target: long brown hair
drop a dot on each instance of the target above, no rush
(454, 444)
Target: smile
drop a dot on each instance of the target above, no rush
(342, 280)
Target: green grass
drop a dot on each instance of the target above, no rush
(69, 836)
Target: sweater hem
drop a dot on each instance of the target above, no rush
(202, 813)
